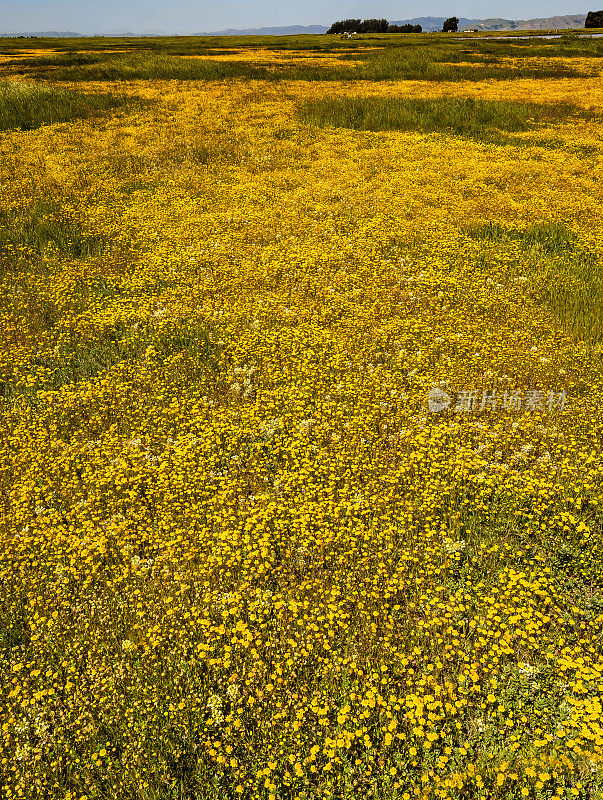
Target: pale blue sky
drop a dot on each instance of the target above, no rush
(190, 16)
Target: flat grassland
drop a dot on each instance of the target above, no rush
(239, 556)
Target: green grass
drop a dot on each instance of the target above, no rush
(563, 273)
(84, 359)
(190, 45)
(68, 59)
(455, 61)
(569, 46)
(396, 57)
(550, 237)
(532, 45)
(44, 228)
(464, 116)
(34, 242)
(25, 106)
(154, 66)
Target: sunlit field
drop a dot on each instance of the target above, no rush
(301, 418)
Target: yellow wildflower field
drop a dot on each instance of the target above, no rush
(244, 553)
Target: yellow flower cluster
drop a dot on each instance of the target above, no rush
(238, 557)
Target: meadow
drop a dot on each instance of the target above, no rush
(240, 557)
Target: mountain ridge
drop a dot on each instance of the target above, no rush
(563, 22)
(429, 24)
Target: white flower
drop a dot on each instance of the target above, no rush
(233, 691)
(214, 703)
(306, 425)
(450, 546)
(39, 725)
(22, 752)
(246, 371)
(270, 428)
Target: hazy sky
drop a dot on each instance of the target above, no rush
(190, 16)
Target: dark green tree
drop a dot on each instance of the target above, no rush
(345, 26)
(373, 26)
(451, 25)
(594, 19)
(404, 28)
(360, 26)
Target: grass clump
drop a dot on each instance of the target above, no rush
(53, 59)
(387, 59)
(155, 66)
(26, 106)
(573, 289)
(44, 228)
(463, 116)
(445, 62)
(563, 272)
(550, 237)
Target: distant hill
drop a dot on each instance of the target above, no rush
(538, 24)
(498, 24)
(73, 35)
(427, 23)
(430, 24)
(290, 30)
(44, 34)
(287, 30)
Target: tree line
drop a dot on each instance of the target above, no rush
(594, 19)
(371, 26)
